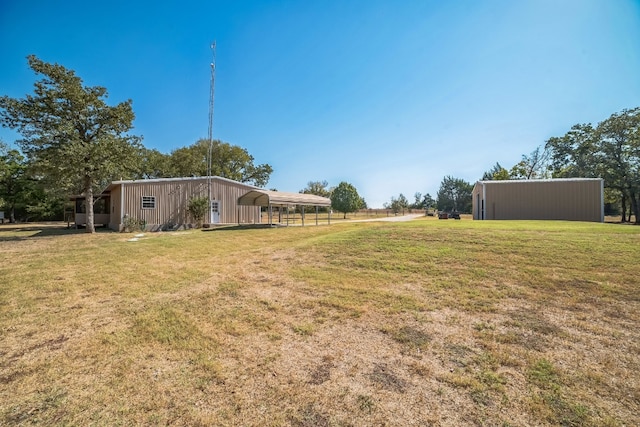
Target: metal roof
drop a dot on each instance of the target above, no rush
(178, 179)
(534, 180)
(267, 197)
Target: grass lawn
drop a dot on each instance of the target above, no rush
(427, 322)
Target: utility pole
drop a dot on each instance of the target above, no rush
(210, 133)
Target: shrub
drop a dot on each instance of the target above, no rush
(198, 209)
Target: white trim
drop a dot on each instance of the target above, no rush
(121, 207)
(190, 178)
(150, 200)
(530, 181)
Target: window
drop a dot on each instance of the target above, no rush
(100, 205)
(148, 202)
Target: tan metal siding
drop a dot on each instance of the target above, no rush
(228, 193)
(115, 220)
(576, 200)
(172, 200)
(477, 201)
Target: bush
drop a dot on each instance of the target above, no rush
(131, 224)
(198, 209)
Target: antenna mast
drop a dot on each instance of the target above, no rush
(210, 132)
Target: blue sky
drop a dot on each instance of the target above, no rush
(390, 96)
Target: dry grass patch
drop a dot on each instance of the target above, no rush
(420, 323)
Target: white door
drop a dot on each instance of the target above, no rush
(215, 211)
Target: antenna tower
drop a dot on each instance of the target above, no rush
(210, 132)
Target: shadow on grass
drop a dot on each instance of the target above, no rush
(242, 227)
(15, 232)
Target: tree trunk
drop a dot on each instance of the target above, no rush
(12, 215)
(88, 200)
(634, 207)
(623, 206)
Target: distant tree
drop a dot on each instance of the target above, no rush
(532, 166)
(496, 173)
(454, 195)
(403, 202)
(228, 161)
(428, 202)
(398, 204)
(69, 132)
(418, 202)
(345, 198)
(319, 188)
(393, 205)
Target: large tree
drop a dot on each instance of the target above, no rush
(454, 195)
(227, 161)
(153, 164)
(345, 198)
(70, 133)
(14, 182)
(611, 150)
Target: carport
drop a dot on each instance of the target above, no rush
(280, 199)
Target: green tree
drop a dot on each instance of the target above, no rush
(363, 203)
(403, 203)
(455, 195)
(345, 198)
(575, 153)
(69, 132)
(154, 164)
(14, 183)
(319, 188)
(417, 203)
(496, 173)
(428, 202)
(227, 161)
(198, 207)
(618, 139)
(532, 166)
(397, 205)
(611, 150)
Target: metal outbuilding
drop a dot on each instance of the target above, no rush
(162, 203)
(572, 199)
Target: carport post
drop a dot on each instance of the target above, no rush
(302, 209)
(270, 214)
(316, 215)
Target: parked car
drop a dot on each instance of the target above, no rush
(447, 215)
